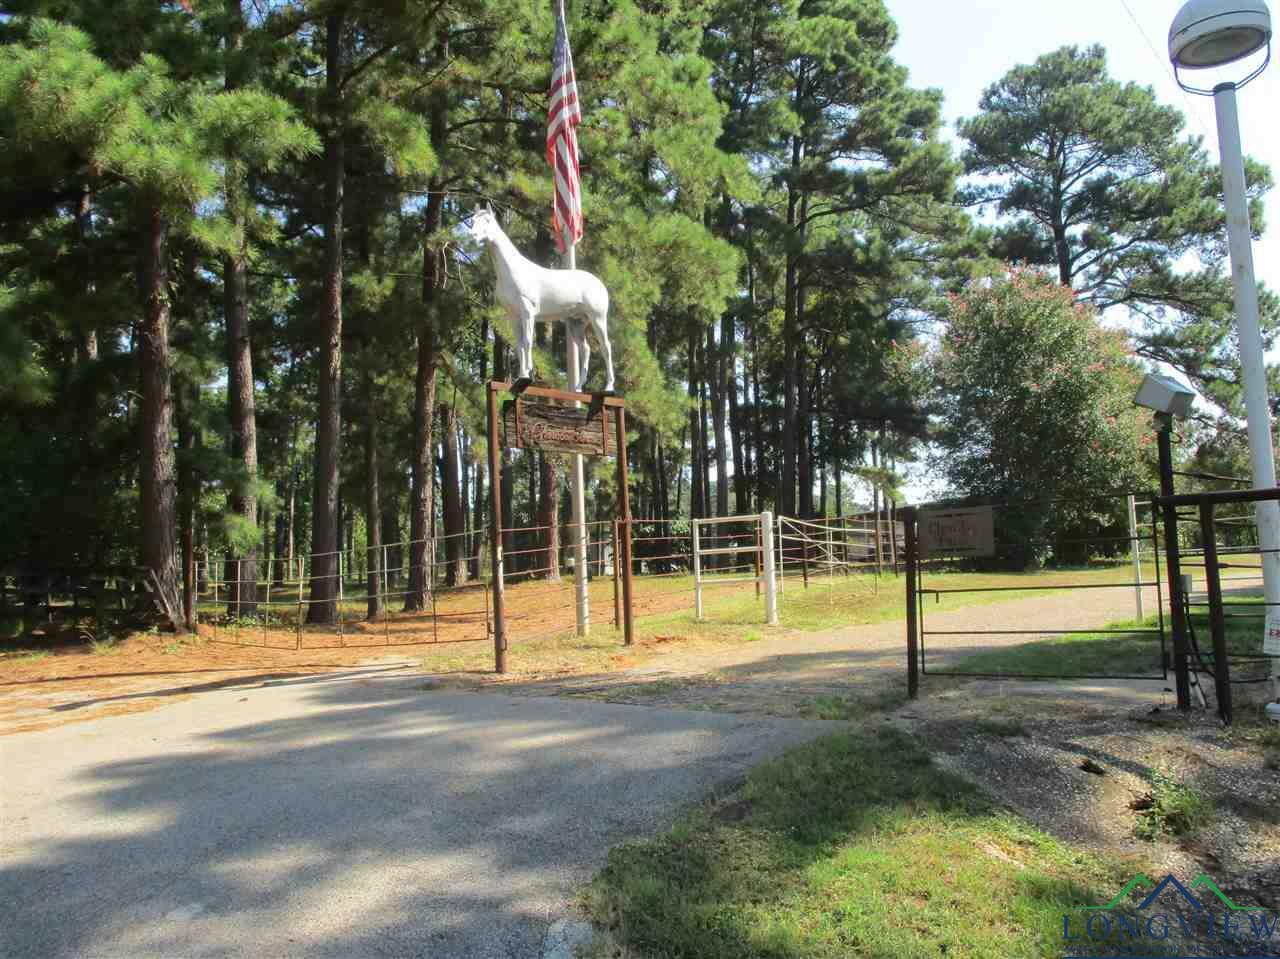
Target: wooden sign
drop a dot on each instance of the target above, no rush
(534, 425)
(958, 532)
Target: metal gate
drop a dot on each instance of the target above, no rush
(1041, 590)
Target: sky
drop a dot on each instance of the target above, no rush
(963, 46)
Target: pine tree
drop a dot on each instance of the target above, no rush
(1095, 178)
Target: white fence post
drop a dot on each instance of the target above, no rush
(1135, 550)
(697, 574)
(770, 581)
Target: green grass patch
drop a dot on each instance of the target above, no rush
(1172, 809)
(1115, 654)
(839, 708)
(854, 845)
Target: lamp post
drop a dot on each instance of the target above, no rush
(1168, 398)
(1215, 33)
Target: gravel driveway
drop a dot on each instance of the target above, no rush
(339, 817)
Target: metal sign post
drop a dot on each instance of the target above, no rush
(580, 424)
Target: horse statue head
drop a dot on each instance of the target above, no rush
(484, 225)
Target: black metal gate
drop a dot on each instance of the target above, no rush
(971, 563)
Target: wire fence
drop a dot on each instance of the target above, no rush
(438, 590)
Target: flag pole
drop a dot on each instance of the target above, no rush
(577, 482)
(573, 362)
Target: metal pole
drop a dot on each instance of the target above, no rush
(617, 577)
(913, 609)
(495, 543)
(577, 484)
(770, 581)
(1135, 550)
(1252, 362)
(697, 573)
(1182, 681)
(1217, 621)
(756, 557)
(628, 615)
(782, 558)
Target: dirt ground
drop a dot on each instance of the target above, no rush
(67, 678)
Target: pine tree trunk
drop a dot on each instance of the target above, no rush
(478, 519)
(188, 495)
(464, 462)
(790, 419)
(717, 389)
(695, 433)
(549, 516)
(88, 345)
(392, 550)
(372, 501)
(757, 421)
(506, 482)
(243, 500)
(455, 545)
(244, 444)
(741, 466)
(422, 502)
(156, 470)
(324, 517)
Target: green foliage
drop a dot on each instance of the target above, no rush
(1095, 178)
(1034, 400)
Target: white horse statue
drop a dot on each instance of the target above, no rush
(531, 293)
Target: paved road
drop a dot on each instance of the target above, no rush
(360, 816)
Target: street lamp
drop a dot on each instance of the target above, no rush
(1215, 33)
(1168, 398)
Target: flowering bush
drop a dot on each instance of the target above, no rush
(1035, 402)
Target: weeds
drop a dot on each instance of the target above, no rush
(1171, 809)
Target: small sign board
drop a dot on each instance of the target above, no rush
(553, 428)
(1271, 642)
(968, 531)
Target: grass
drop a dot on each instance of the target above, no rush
(1170, 810)
(735, 616)
(841, 708)
(1105, 654)
(854, 845)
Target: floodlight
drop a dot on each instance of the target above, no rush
(1165, 395)
(1214, 33)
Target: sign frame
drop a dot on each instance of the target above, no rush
(957, 531)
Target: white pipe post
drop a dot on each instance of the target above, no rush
(697, 574)
(577, 482)
(770, 581)
(1135, 551)
(1257, 409)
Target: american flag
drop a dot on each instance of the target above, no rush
(563, 117)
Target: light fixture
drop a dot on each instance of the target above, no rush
(1165, 395)
(1214, 33)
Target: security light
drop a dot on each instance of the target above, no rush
(1214, 33)
(1164, 395)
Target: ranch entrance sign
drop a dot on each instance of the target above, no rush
(556, 421)
(536, 425)
(957, 532)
